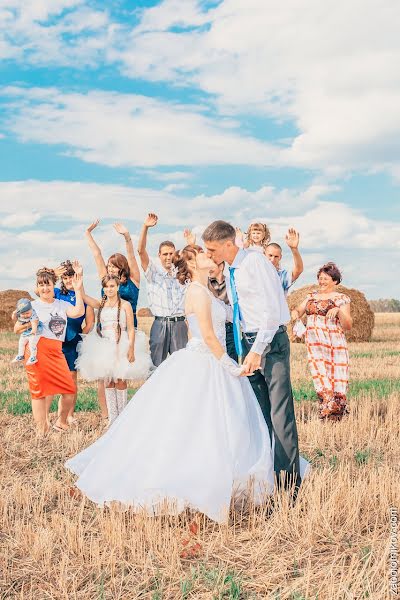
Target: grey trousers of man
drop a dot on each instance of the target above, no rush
(272, 387)
(166, 337)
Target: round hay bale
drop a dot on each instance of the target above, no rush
(363, 317)
(144, 312)
(8, 301)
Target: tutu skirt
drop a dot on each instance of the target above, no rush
(102, 358)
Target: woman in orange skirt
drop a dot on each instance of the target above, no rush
(50, 374)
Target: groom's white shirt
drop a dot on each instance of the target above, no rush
(262, 303)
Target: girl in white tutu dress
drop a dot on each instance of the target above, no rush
(113, 351)
(194, 435)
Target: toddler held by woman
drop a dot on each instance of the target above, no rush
(25, 315)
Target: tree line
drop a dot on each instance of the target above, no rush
(388, 305)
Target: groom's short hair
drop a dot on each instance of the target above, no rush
(219, 231)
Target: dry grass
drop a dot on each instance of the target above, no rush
(333, 544)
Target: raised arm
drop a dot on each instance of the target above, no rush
(90, 301)
(239, 239)
(130, 254)
(292, 239)
(98, 257)
(189, 237)
(150, 221)
(73, 312)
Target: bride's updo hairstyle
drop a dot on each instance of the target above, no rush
(181, 262)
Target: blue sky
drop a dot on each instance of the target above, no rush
(201, 110)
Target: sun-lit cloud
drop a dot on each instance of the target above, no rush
(330, 230)
(128, 130)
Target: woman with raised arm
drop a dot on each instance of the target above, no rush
(50, 375)
(194, 436)
(328, 317)
(127, 270)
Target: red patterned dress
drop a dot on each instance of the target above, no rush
(328, 356)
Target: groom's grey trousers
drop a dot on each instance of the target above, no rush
(272, 387)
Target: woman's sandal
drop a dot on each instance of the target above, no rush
(60, 429)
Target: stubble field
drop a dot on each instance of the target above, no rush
(333, 544)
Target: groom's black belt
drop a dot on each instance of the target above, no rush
(173, 319)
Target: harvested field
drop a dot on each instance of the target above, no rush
(332, 545)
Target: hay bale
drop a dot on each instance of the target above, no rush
(8, 301)
(363, 317)
(144, 312)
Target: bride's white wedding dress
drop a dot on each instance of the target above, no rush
(193, 434)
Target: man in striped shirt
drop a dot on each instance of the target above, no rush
(165, 298)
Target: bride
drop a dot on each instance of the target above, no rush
(193, 435)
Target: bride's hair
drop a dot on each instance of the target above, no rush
(181, 261)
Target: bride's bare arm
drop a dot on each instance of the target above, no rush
(198, 302)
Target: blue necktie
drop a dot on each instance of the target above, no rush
(236, 315)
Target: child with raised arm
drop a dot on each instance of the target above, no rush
(112, 353)
(256, 238)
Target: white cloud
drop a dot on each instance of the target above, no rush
(20, 219)
(326, 67)
(128, 130)
(175, 187)
(329, 230)
(168, 176)
(53, 32)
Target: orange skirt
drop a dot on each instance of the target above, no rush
(50, 375)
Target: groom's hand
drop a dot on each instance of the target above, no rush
(251, 363)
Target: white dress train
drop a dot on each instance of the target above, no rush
(193, 435)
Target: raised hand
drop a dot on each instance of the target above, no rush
(77, 267)
(77, 281)
(189, 237)
(151, 220)
(93, 226)
(59, 271)
(239, 233)
(292, 238)
(120, 228)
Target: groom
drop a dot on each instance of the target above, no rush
(261, 311)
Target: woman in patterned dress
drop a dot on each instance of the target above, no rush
(328, 316)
